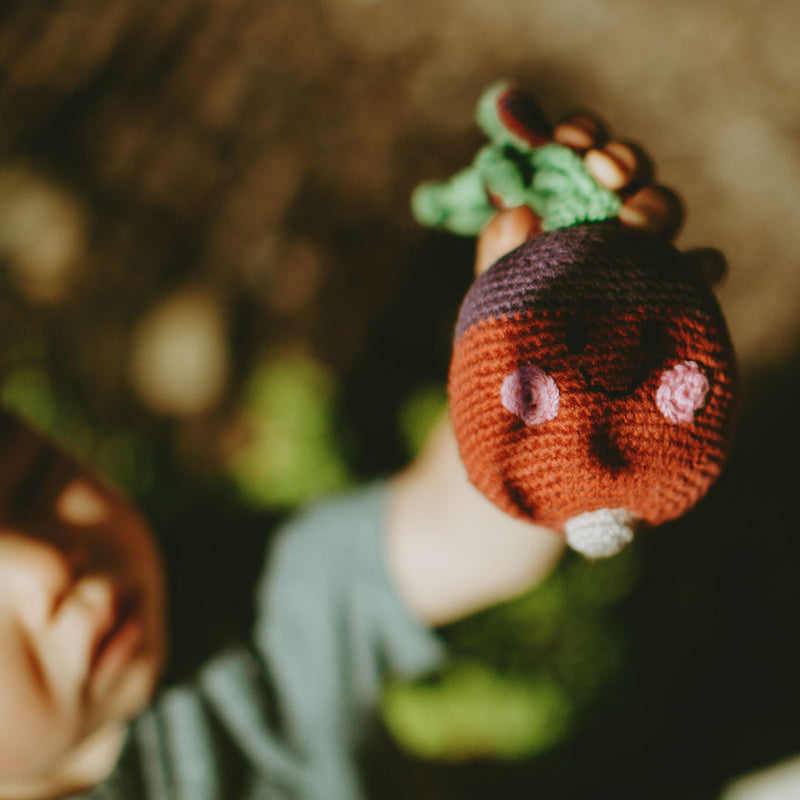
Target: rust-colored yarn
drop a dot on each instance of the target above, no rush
(592, 369)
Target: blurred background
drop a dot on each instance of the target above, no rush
(212, 288)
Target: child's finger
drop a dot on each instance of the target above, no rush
(580, 131)
(655, 209)
(504, 232)
(507, 114)
(619, 166)
(710, 262)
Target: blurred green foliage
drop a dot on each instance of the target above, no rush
(520, 674)
(474, 711)
(294, 452)
(29, 392)
(418, 414)
(123, 456)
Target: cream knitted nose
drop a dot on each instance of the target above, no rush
(601, 533)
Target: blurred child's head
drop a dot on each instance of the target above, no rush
(81, 618)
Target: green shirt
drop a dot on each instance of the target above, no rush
(280, 717)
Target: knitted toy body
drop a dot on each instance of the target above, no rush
(592, 378)
(591, 384)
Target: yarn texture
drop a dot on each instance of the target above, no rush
(593, 379)
(622, 436)
(531, 394)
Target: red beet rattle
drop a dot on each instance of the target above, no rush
(592, 378)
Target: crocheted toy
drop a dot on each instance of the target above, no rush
(592, 378)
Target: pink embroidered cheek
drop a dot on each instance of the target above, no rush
(531, 394)
(682, 392)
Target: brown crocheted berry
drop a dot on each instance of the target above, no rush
(592, 370)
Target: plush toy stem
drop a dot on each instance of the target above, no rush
(508, 115)
(520, 166)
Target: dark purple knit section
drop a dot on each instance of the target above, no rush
(596, 265)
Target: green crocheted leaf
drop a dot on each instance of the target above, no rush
(459, 205)
(549, 178)
(552, 180)
(504, 174)
(563, 193)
